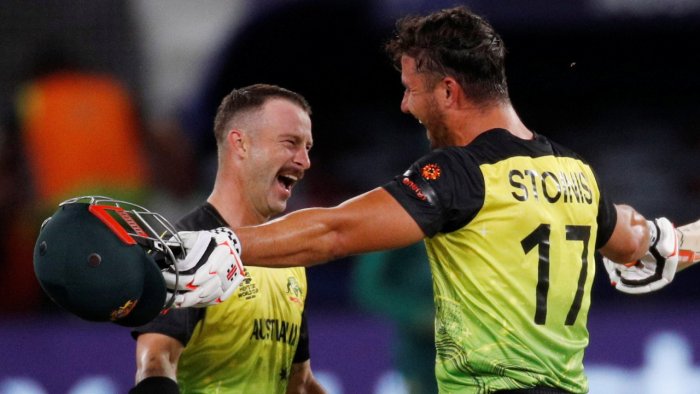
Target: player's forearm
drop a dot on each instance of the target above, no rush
(302, 238)
(630, 239)
(369, 222)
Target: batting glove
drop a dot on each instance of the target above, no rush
(655, 269)
(211, 271)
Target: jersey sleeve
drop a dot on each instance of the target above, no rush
(302, 353)
(442, 191)
(176, 323)
(607, 218)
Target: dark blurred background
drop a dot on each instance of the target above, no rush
(616, 80)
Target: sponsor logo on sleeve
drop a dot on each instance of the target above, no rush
(414, 188)
(431, 172)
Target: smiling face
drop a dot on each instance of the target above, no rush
(419, 100)
(278, 155)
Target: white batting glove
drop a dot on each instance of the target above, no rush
(211, 271)
(655, 269)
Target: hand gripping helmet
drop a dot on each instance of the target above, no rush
(101, 259)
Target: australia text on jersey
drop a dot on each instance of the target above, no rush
(275, 330)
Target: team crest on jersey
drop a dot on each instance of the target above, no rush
(123, 310)
(294, 290)
(430, 171)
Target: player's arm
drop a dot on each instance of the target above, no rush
(302, 380)
(157, 356)
(369, 222)
(630, 238)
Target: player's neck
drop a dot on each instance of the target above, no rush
(233, 214)
(471, 122)
(234, 206)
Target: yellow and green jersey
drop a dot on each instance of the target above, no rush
(511, 230)
(246, 344)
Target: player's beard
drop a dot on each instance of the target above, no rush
(438, 133)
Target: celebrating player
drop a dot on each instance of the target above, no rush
(511, 220)
(256, 341)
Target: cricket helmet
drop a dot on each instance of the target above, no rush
(101, 259)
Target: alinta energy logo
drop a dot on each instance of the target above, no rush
(414, 188)
(431, 171)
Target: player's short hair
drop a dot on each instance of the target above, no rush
(251, 98)
(458, 43)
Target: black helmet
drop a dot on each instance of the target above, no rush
(101, 259)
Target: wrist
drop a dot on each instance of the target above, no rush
(653, 232)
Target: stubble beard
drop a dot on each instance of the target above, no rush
(438, 133)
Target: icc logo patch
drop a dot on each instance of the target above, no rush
(430, 172)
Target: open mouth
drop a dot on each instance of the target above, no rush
(287, 181)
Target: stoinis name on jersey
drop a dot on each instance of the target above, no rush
(275, 330)
(569, 187)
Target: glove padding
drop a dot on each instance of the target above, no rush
(655, 269)
(211, 271)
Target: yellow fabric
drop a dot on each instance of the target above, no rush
(485, 275)
(247, 343)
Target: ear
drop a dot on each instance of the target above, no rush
(451, 92)
(237, 142)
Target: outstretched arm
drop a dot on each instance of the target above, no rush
(369, 222)
(641, 255)
(630, 239)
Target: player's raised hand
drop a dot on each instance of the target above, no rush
(655, 269)
(210, 272)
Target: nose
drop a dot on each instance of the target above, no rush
(404, 103)
(302, 158)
